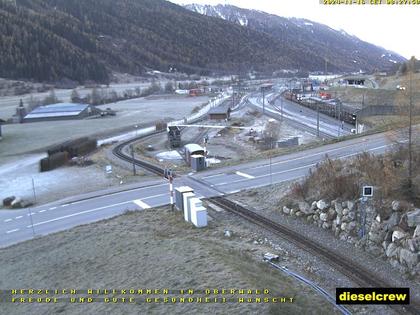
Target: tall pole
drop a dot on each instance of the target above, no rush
(132, 159)
(410, 130)
(263, 90)
(171, 190)
(271, 148)
(281, 99)
(317, 119)
(33, 189)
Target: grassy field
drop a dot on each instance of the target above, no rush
(153, 249)
(22, 138)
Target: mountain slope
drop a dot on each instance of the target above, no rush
(48, 40)
(301, 36)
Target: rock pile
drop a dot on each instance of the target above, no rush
(392, 233)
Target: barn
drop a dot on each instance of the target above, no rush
(221, 112)
(60, 111)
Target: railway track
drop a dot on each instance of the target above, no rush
(353, 271)
(118, 151)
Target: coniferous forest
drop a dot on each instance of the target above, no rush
(84, 40)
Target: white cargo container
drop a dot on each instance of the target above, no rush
(199, 216)
(179, 200)
(187, 205)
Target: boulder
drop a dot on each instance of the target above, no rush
(376, 238)
(352, 215)
(322, 204)
(228, 233)
(409, 258)
(313, 205)
(337, 220)
(346, 211)
(392, 251)
(416, 231)
(351, 226)
(326, 225)
(396, 206)
(286, 210)
(338, 207)
(299, 213)
(7, 202)
(323, 216)
(350, 205)
(16, 203)
(331, 214)
(399, 235)
(393, 220)
(414, 244)
(305, 208)
(413, 218)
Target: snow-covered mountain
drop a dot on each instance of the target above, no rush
(301, 36)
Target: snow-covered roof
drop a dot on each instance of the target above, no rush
(57, 110)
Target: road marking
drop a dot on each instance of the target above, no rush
(234, 191)
(244, 175)
(42, 211)
(12, 231)
(155, 196)
(19, 217)
(141, 204)
(306, 156)
(53, 208)
(116, 193)
(64, 205)
(7, 220)
(78, 213)
(211, 176)
(32, 213)
(265, 175)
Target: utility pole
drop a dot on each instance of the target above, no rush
(271, 148)
(317, 119)
(281, 99)
(263, 91)
(410, 130)
(33, 190)
(132, 159)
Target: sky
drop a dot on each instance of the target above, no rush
(393, 27)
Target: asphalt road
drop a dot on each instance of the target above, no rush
(302, 117)
(16, 225)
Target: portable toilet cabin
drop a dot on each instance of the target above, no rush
(192, 149)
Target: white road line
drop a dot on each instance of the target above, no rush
(305, 156)
(155, 196)
(32, 213)
(52, 208)
(141, 204)
(234, 191)
(211, 176)
(42, 211)
(7, 220)
(265, 175)
(12, 231)
(244, 175)
(64, 205)
(117, 193)
(19, 217)
(78, 213)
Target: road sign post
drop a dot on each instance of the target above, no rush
(367, 192)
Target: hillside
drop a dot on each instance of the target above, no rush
(308, 39)
(49, 40)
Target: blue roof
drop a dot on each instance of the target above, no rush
(59, 109)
